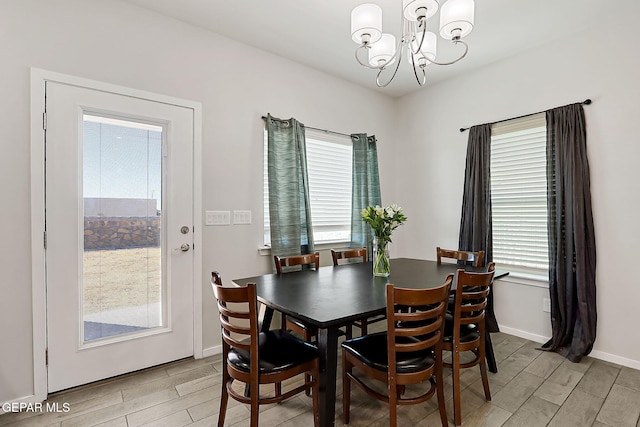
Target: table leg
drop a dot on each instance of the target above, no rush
(328, 347)
(489, 354)
(265, 316)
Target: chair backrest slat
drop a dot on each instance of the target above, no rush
(348, 254)
(291, 261)
(235, 342)
(468, 257)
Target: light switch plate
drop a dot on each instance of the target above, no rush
(242, 217)
(217, 218)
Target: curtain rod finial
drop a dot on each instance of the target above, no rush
(463, 129)
(587, 101)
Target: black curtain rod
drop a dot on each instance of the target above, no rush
(585, 102)
(321, 130)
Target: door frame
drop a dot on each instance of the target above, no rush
(38, 270)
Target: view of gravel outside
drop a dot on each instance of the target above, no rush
(122, 291)
(121, 278)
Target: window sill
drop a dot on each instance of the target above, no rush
(264, 250)
(526, 279)
(325, 246)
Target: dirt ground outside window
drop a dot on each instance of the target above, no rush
(121, 278)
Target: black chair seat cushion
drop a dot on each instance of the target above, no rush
(468, 333)
(372, 351)
(279, 350)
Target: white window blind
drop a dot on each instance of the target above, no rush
(519, 193)
(329, 163)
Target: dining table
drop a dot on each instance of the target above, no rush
(332, 297)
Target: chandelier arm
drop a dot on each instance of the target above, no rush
(399, 59)
(415, 72)
(366, 46)
(466, 49)
(424, 33)
(397, 55)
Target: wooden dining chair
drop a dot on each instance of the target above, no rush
(465, 330)
(468, 257)
(339, 257)
(306, 331)
(408, 353)
(255, 358)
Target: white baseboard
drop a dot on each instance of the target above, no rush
(523, 334)
(618, 360)
(596, 354)
(211, 351)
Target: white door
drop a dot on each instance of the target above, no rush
(119, 233)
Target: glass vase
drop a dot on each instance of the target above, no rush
(381, 263)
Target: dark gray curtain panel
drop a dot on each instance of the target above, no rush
(289, 207)
(365, 188)
(476, 232)
(572, 245)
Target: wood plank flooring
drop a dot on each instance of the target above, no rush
(531, 388)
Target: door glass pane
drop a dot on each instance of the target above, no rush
(122, 288)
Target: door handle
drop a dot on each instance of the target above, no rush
(184, 247)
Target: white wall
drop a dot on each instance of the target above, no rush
(119, 43)
(601, 64)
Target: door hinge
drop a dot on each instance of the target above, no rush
(46, 356)
(45, 240)
(44, 120)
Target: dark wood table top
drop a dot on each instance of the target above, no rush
(335, 296)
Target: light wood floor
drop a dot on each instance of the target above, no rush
(532, 388)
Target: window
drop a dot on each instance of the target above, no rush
(329, 163)
(519, 194)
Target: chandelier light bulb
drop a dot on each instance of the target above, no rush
(383, 51)
(366, 23)
(414, 9)
(456, 18)
(429, 45)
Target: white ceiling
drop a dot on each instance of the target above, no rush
(317, 32)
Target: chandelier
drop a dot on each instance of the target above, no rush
(456, 21)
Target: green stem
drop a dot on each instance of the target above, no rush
(381, 263)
